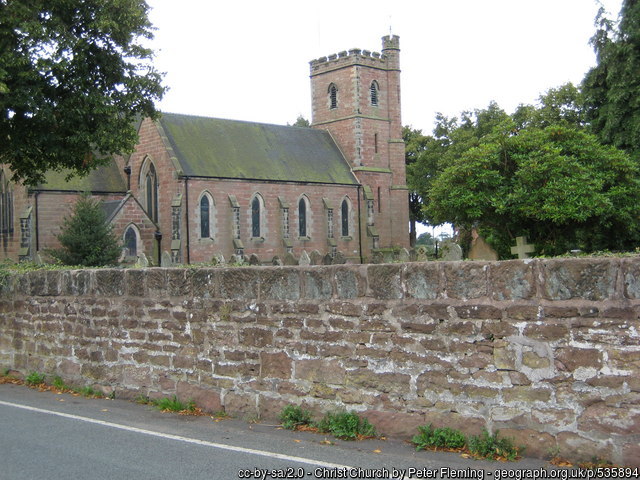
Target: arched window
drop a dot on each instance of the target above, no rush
(344, 213)
(333, 96)
(149, 185)
(303, 230)
(374, 93)
(205, 212)
(255, 217)
(131, 242)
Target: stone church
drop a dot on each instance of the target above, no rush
(199, 187)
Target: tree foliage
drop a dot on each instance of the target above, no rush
(612, 87)
(86, 239)
(537, 173)
(73, 78)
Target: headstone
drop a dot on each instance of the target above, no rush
(413, 255)
(421, 253)
(276, 261)
(404, 256)
(304, 259)
(289, 259)
(316, 257)
(481, 250)
(237, 259)
(142, 261)
(218, 259)
(254, 260)
(339, 258)
(327, 259)
(522, 249)
(450, 251)
(377, 257)
(165, 259)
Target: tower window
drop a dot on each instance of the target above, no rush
(330, 223)
(333, 96)
(374, 93)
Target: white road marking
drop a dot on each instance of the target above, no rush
(180, 438)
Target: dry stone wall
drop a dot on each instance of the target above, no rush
(546, 351)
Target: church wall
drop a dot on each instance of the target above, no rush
(271, 241)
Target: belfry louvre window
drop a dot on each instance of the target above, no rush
(374, 93)
(333, 96)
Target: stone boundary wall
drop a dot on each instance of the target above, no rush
(546, 351)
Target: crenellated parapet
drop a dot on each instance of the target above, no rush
(355, 56)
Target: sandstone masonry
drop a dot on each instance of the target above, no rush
(546, 351)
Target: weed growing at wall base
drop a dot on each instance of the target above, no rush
(346, 426)
(293, 416)
(446, 437)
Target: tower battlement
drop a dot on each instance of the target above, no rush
(357, 56)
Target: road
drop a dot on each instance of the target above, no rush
(59, 436)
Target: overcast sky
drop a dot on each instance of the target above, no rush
(249, 59)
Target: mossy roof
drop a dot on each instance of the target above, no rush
(105, 178)
(218, 148)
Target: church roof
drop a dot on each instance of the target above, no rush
(212, 147)
(104, 179)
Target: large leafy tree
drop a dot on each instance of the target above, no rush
(74, 75)
(612, 87)
(556, 184)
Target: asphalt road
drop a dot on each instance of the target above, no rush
(58, 436)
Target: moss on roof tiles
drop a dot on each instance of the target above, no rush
(211, 147)
(105, 178)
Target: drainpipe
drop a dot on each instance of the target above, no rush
(158, 237)
(127, 170)
(360, 226)
(186, 217)
(37, 227)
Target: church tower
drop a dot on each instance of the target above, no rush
(356, 97)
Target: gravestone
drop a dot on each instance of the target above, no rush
(481, 250)
(142, 261)
(421, 253)
(254, 260)
(450, 251)
(327, 259)
(237, 259)
(404, 256)
(276, 261)
(304, 259)
(165, 259)
(289, 259)
(522, 249)
(218, 259)
(316, 257)
(377, 257)
(339, 258)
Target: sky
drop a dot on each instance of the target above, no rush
(249, 59)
